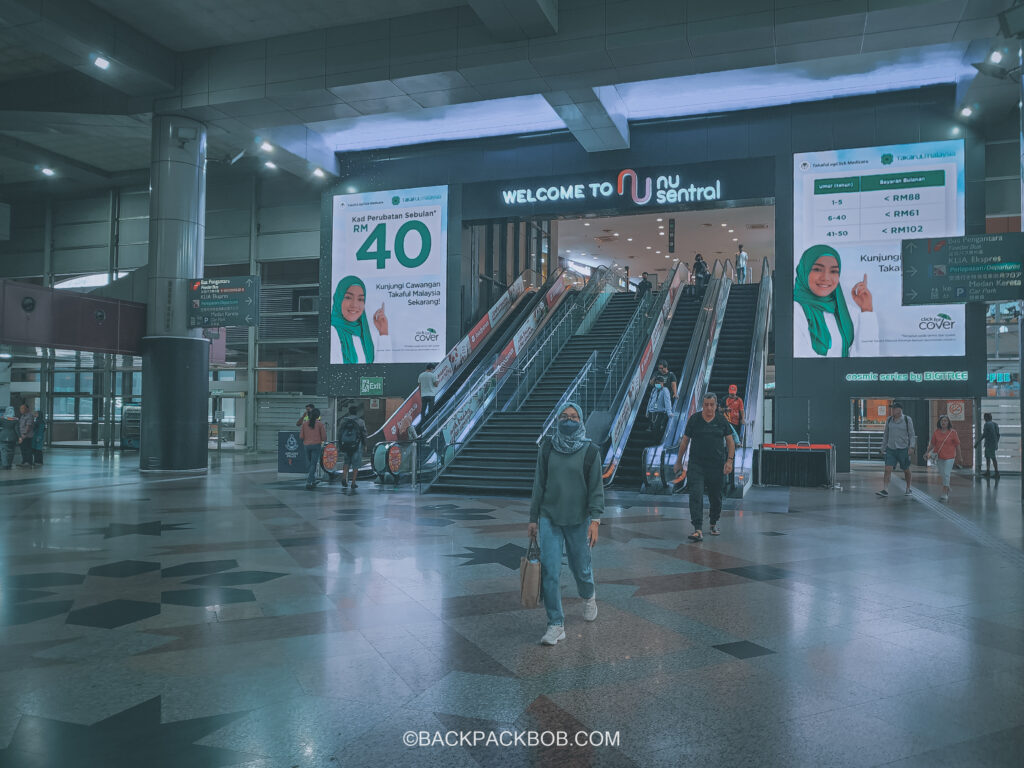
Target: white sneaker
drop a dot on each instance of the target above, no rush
(908, 492)
(943, 498)
(555, 633)
(590, 608)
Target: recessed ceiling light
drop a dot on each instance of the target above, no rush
(657, 251)
(725, 225)
(270, 165)
(586, 223)
(101, 62)
(731, 231)
(266, 146)
(666, 255)
(49, 172)
(629, 239)
(966, 112)
(995, 57)
(675, 259)
(660, 219)
(616, 234)
(662, 234)
(319, 173)
(956, 130)
(735, 239)
(648, 247)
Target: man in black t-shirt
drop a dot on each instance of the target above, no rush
(669, 377)
(711, 458)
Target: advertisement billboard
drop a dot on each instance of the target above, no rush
(388, 287)
(852, 208)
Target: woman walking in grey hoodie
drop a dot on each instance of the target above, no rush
(568, 499)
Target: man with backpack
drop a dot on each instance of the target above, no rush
(990, 437)
(351, 438)
(900, 442)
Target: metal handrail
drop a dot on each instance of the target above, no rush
(570, 395)
(753, 406)
(483, 399)
(695, 374)
(638, 320)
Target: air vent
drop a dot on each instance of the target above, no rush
(605, 238)
(757, 226)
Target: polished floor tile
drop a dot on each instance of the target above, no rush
(239, 620)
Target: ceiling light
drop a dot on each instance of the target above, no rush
(731, 231)
(49, 172)
(5, 355)
(966, 112)
(319, 173)
(675, 259)
(995, 57)
(586, 223)
(657, 251)
(725, 225)
(735, 239)
(662, 234)
(629, 239)
(648, 247)
(956, 130)
(666, 255)
(101, 62)
(270, 165)
(616, 234)
(266, 146)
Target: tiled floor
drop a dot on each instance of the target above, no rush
(238, 620)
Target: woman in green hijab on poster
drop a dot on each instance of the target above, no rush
(822, 323)
(353, 340)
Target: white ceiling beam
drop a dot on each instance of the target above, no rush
(595, 116)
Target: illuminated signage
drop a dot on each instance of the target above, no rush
(666, 189)
(912, 376)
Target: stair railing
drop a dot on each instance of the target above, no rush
(504, 387)
(583, 390)
(753, 411)
(693, 382)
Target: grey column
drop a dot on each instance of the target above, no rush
(175, 359)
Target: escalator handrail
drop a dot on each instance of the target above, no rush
(614, 453)
(696, 371)
(474, 358)
(754, 391)
(498, 375)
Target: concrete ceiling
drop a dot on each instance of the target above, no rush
(315, 77)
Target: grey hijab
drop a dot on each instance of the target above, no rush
(579, 438)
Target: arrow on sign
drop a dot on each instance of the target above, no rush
(248, 300)
(911, 294)
(910, 271)
(910, 247)
(248, 283)
(248, 319)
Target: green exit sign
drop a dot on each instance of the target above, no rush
(371, 386)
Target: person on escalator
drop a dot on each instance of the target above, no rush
(701, 274)
(734, 410)
(669, 377)
(658, 407)
(643, 288)
(567, 502)
(428, 389)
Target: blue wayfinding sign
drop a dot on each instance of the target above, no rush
(956, 270)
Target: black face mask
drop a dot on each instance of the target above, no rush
(568, 428)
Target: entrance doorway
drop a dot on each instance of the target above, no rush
(869, 415)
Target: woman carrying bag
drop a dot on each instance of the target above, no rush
(945, 446)
(568, 497)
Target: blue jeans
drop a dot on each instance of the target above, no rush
(550, 537)
(312, 459)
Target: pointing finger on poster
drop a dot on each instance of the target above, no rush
(862, 296)
(380, 320)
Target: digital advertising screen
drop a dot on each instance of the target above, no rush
(851, 210)
(389, 255)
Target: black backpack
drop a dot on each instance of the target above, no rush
(348, 439)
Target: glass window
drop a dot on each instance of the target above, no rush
(85, 381)
(84, 408)
(63, 408)
(64, 381)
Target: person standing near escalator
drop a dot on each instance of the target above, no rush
(712, 451)
(659, 404)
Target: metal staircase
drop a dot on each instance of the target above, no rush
(501, 456)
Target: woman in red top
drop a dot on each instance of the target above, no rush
(945, 445)
(313, 437)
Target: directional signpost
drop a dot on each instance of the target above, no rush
(223, 301)
(957, 270)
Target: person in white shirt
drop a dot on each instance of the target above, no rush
(822, 324)
(353, 341)
(428, 389)
(741, 266)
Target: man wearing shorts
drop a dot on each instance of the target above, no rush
(351, 437)
(900, 441)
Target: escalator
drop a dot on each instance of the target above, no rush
(732, 356)
(501, 456)
(630, 472)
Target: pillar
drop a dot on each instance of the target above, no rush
(175, 359)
